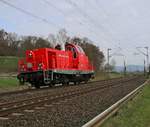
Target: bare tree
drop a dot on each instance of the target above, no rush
(28, 43)
(62, 37)
(41, 43)
(13, 43)
(52, 39)
(3, 43)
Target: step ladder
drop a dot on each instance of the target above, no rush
(47, 78)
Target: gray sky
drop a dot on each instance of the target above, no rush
(118, 24)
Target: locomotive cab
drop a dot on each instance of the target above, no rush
(79, 58)
(74, 55)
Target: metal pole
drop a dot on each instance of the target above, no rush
(108, 56)
(147, 57)
(144, 68)
(125, 68)
(108, 60)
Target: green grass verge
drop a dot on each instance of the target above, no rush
(8, 83)
(104, 75)
(8, 64)
(135, 113)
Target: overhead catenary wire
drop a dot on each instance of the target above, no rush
(58, 9)
(39, 17)
(88, 17)
(110, 25)
(103, 12)
(52, 5)
(29, 13)
(32, 14)
(83, 13)
(81, 23)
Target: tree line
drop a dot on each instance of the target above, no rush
(12, 44)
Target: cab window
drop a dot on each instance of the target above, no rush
(74, 53)
(73, 50)
(68, 48)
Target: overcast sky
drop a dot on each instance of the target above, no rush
(121, 25)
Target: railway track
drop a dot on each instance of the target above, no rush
(6, 109)
(45, 88)
(102, 117)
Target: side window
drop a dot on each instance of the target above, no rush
(72, 49)
(74, 53)
(68, 48)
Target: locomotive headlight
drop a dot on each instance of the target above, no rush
(22, 68)
(30, 54)
(40, 66)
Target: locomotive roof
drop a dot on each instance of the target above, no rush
(79, 48)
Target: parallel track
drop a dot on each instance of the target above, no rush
(102, 117)
(7, 108)
(46, 87)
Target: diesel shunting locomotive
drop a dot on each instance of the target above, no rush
(48, 66)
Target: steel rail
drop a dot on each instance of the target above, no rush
(8, 108)
(45, 88)
(39, 97)
(99, 119)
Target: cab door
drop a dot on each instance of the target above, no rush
(75, 58)
(74, 61)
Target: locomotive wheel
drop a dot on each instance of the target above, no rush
(86, 81)
(21, 81)
(68, 83)
(37, 85)
(65, 80)
(50, 85)
(76, 83)
(65, 83)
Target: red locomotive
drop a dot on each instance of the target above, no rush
(47, 66)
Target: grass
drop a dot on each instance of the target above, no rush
(104, 75)
(134, 114)
(116, 75)
(8, 83)
(8, 64)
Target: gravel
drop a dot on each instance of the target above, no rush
(47, 91)
(74, 111)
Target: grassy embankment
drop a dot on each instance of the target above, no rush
(8, 83)
(104, 75)
(8, 65)
(135, 113)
